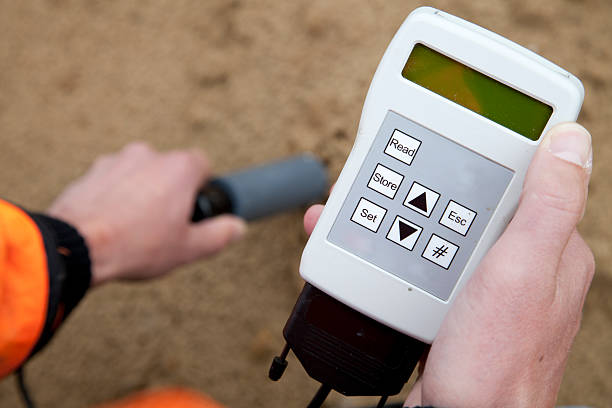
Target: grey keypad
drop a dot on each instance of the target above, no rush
(423, 227)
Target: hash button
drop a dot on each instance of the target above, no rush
(440, 251)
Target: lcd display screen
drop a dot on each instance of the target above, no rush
(477, 92)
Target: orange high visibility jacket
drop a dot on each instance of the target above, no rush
(45, 270)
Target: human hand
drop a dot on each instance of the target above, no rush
(506, 339)
(134, 209)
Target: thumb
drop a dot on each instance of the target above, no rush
(211, 236)
(555, 191)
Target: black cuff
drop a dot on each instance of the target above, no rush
(69, 269)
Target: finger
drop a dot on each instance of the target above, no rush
(136, 152)
(101, 165)
(576, 271)
(311, 217)
(201, 160)
(211, 236)
(134, 157)
(193, 166)
(415, 397)
(129, 157)
(136, 148)
(554, 194)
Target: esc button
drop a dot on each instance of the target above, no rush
(458, 218)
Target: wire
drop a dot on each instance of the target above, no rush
(279, 364)
(382, 401)
(285, 352)
(320, 396)
(23, 389)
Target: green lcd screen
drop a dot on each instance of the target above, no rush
(477, 92)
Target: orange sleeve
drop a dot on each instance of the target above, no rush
(24, 286)
(165, 398)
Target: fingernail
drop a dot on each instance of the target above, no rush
(240, 228)
(572, 143)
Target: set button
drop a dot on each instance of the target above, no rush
(385, 181)
(368, 215)
(458, 218)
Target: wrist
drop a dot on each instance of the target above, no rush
(68, 268)
(96, 239)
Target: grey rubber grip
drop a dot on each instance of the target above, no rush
(276, 187)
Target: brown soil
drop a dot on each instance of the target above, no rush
(248, 81)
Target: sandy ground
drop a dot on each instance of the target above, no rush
(249, 81)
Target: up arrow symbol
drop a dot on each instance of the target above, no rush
(420, 202)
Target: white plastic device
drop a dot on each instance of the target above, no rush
(395, 282)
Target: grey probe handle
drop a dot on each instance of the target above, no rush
(274, 188)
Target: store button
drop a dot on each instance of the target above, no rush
(458, 218)
(369, 215)
(385, 181)
(402, 147)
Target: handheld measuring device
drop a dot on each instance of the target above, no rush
(450, 123)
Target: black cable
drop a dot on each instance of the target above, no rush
(285, 352)
(382, 401)
(320, 396)
(279, 364)
(23, 389)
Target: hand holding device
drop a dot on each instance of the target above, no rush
(452, 119)
(506, 339)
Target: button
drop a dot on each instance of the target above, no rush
(458, 218)
(402, 147)
(369, 215)
(440, 251)
(385, 181)
(404, 233)
(421, 199)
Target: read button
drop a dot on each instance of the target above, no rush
(369, 215)
(402, 147)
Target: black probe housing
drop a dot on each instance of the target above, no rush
(346, 350)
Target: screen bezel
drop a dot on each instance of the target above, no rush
(495, 83)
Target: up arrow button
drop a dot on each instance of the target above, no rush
(421, 199)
